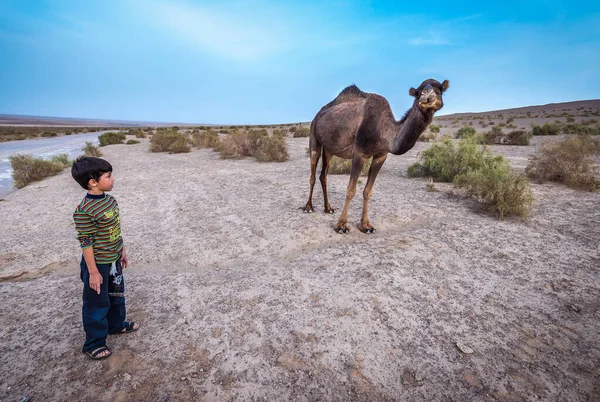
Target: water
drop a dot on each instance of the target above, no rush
(44, 148)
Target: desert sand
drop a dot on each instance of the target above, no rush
(242, 296)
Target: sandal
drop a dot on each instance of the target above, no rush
(130, 326)
(94, 353)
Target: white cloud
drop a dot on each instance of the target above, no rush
(433, 39)
(229, 35)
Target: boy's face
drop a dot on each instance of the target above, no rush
(104, 183)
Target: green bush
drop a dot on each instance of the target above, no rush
(301, 132)
(501, 191)
(485, 176)
(570, 161)
(131, 142)
(272, 149)
(466, 131)
(434, 128)
(63, 159)
(49, 134)
(546, 129)
(169, 141)
(443, 161)
(112, 137)
(205, 139)
(581, 129)
(27, 169)
(91, 150)
(344, 166)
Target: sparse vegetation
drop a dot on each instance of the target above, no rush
(254, 143)
(546, 129)
(344, 166)
(272, 149)
(131, 142)
(112, 137)
(27, 169)
(169, 141)
(434, 128)
(427, 136)
(465, 132)
(516, 137)
(63, 159)
(484, 176)
(301, 132)
(205, 139)
(570, 161)
(91, 150)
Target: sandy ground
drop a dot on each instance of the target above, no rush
(241, 296)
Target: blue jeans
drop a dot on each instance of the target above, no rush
(102, 313)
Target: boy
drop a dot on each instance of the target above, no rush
(98, 228)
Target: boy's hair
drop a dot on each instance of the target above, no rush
(86, 168)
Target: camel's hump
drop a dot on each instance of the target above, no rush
(350, 92)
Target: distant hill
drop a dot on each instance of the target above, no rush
(24, 120)
(591, 106)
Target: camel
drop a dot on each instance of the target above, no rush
(358, 125)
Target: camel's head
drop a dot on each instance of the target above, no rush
(429, 95)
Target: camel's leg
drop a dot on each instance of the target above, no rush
(315, 153)
(378, 160)
(357, 165)
(324, 170)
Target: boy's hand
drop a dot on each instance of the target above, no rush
(95, 281)
(124, 260)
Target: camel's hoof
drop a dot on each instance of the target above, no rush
(372, 230)
(329, 211)
(308, 210)
(342, 230)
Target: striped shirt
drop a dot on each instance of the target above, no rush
(98, 225)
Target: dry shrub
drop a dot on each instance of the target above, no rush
(91, 150)
(131, 142)
(140, 134)
(485, 176)
(63, 159)
(427, 136)
(169, 141)
(344, 166)
(272, 149)
(570, 161)
(27, 169)
(253, 143)
(240, 143)
(205, 139)
(280, 132)
(434, 128)
(112, 137)
(301, 132)
(516, 137)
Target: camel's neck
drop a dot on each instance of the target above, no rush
(408, 129)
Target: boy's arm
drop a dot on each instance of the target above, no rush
(124, 260)
(95, 277)
(86, 232)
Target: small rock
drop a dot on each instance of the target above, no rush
(464, 348)
(575, 308)
(182, 378)
(418, 377)
(127, 377)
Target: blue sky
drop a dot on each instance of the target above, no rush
(258, 62)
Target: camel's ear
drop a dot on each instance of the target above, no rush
(412, 92)
(445, 85)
